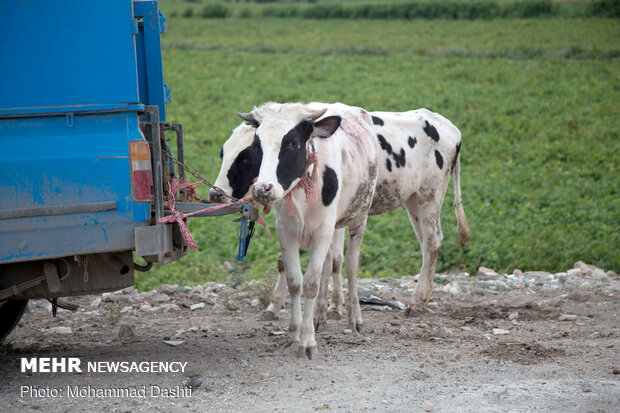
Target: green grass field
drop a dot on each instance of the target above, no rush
(537, 101)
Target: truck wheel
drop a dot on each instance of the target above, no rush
(10, 314)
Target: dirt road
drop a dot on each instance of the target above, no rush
(484, 345)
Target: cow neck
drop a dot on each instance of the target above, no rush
(308, 181)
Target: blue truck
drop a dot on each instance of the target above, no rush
(85, 160)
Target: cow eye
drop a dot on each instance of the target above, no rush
(293, 144)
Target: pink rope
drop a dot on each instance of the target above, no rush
(178, 217)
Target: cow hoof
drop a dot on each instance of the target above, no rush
(413, 311)
(289, 342)
(307, 351)
(333, 315)
(269, 316)
(356, 326)
(320, 324)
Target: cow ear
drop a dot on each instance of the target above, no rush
(326, 126)
(248, 117)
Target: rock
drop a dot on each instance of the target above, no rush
(347, 331)
(145, 307)
(513, 316)
(396, 323)
(126, 331)
(160, 299)
(485, 272)
(96, 302)
(616, 370)
(500, 331)
(168, 289)
(466, 328)
(174, 343)
(586, 269)
(538, 276)
(44, 304)
(393, 356)
(517, 272)
(127, 309)
(185, 331)
(255, 302)
(567, 317)
(197, 306)
(194, 383)
(573, 272)
(170, 308)
(428, 407)
(59, 330)
(585, 285)
(452, 288)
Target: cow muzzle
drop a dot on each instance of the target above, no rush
(216, 196)
(263, 193)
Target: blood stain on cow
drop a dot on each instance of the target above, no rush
(377, 121)
(438, 159)
(431, 131)
(330, 186)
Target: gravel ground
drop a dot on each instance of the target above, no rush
(491, 342)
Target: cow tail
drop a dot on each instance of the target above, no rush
(461, 219)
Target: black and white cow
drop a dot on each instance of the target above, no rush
(417, 151)
(285, 138)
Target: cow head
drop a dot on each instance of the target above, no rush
(241, 158)
(283, 131)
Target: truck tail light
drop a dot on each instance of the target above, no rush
(141, 171)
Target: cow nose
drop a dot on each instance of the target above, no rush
(263, 193)
(216, 196)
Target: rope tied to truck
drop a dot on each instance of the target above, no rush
(179, 217)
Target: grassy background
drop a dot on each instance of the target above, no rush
(537, 102)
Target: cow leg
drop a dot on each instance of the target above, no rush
(289, 244)
(411, 205)
(354, 312)
(320, 314)
(321, 242)
(335, 308)
(279, 294)
(432, 238)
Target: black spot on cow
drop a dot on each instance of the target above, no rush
(458, 149)
(384, 144)
(388, 164)
(245, 168)
(399, 159)
(292, 156)
(438, 159)
(330, 186)
(431, 131)
(377, 121)
(412, 141)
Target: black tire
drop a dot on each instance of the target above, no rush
(10, 314)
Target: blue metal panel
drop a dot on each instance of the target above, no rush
(151, 22)
(52, 162)
(63, 54)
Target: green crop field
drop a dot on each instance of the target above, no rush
(537, 101)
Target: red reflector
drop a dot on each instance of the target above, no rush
(142, 185)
